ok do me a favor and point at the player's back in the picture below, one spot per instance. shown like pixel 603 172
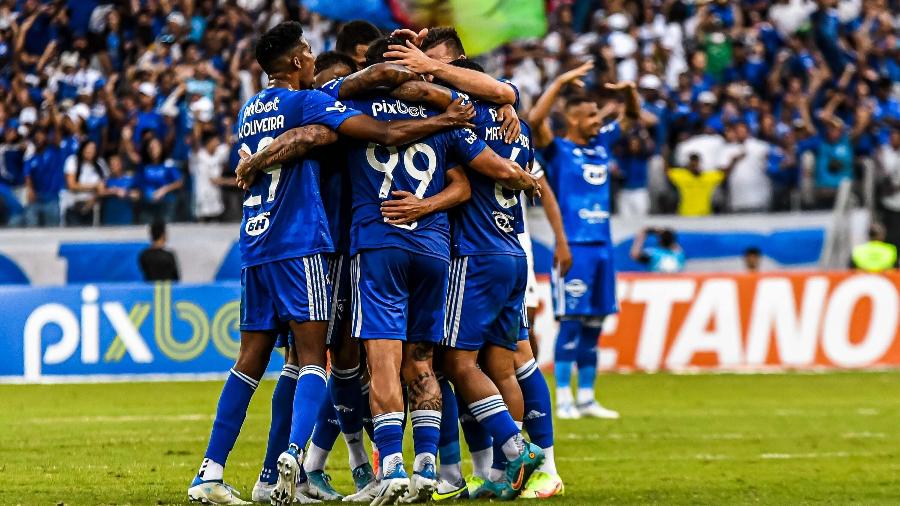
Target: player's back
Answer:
pixel 283 215
pixel 418 168
pixel 580 177
pixel 492 219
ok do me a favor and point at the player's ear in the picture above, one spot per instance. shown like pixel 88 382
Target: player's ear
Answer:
pixel 296 62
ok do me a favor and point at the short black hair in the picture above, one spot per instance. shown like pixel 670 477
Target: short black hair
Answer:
pixel 276 42
pixel 157 230
pixel 667 238
pixel 330 59
pixel 443 35
pixel 354 33
pixel 467 64
pixel 752 250
pixel 576 100
pixel 375 53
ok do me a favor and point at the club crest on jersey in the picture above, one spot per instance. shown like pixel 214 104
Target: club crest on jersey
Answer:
pixel 593 215
pixel 594 174
pixel 503 221
pixel 257 224
pixel 576 287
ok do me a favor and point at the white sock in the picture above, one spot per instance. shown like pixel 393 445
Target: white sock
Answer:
pixel 356 449
pixel 513 447
pixel 315 458
pixel 481 462
pixel 211 470
pixel 549 464
pixel 519 424
pixel 585 395
pixel 563 396
pixel 497 474
pixel 391 462
pixel 423 459
pixel 451 472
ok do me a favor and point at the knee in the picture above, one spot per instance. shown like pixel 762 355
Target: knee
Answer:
pixel 346 357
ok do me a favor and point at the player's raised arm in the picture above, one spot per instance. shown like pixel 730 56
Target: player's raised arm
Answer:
pixel 380 75
pixel 393 133
pixel 294 143
pixel 505 172
pixel 540 113
pixel 404 207
pixel 477 84
pixel 423 92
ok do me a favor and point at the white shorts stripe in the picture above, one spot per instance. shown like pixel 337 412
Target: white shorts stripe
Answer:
pixel 307 273
pixel 356 296
pixel 452 289
pixel 454 331
pixel 334 269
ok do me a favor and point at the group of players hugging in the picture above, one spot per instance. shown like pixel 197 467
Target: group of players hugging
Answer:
pixel 383 232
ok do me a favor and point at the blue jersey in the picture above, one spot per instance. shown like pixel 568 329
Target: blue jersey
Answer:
pixel 490 222
pixel 579 176
pixel 336 194
pixel 418 168
pixel 283 213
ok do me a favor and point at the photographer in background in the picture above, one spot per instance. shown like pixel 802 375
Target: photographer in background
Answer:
pixel 666 256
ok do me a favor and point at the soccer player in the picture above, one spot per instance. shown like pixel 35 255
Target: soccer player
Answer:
pixel 577 165
pixel 441 54
pixel 353 39
pixel 282 239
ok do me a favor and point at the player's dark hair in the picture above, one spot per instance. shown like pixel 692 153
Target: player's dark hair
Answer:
pixel 157 230
pixel 752 251
pixel 667 238
pixel 354 33
pixel 375 53
pixel 467 64
pixel 330 59
pixel 277 41
pixel 576 100
pixel 443 35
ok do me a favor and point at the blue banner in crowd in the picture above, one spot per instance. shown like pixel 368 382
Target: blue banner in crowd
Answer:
pixel 121 329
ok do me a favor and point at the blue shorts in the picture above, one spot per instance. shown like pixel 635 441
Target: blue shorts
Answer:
pixel 589 288
pixel 275 293
pixel 398 294
pixel 339 278
pixel 486 301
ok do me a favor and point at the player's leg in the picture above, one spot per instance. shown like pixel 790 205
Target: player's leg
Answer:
pixel 380 296
pixel 253 358
pixel 303 296
pixel 478 441
pixel 427 309
pixel 325 433
pixel 571 300
pixel 280 428
pixel 603 300
pixel 538 422
pixel 451 483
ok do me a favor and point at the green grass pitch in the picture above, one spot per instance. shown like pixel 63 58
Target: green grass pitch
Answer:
pixel 693 439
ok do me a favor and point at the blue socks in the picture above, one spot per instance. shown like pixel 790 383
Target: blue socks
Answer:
pixel 327 428
pixel 538 416
pixel 565 354
pixel 346 395
pixel 491 412
pixel 448 443
pixel 309 396
pixel 230 414
pixel 280 430
pixel 426 431
pixel 587 363
pixel 389 439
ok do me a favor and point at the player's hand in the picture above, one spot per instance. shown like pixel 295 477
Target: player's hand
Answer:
pixel 460 113
pixel 243 174
pixel 403 208
pixel 562 257
pixel 535 191
pixel 511 127
pixel 406 33
pixel 620 86
pixel 411 57
pixel 575 75
pixel 158 195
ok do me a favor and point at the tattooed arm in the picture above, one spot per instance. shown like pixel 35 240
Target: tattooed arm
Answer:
pixel 292 144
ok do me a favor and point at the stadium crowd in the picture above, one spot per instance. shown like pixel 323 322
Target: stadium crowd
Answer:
pixel 123 111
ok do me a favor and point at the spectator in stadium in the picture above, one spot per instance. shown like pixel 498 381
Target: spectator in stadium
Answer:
pixel 43 180
pixel 157 263
pixel 752 259
pixel 158 181
pixel 84 172
pixel 889 169
pixel 12 166
pixel 206 165
pixel 632 160
pixel 749 188
pixel 874 255
pixel 118 194
pixel 783 168
pixel 696 187
pixel 666 256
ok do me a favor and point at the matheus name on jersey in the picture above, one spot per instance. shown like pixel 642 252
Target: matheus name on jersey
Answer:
pixel 417 167
pixel 490 222
pixel 579 175
pixel 283 214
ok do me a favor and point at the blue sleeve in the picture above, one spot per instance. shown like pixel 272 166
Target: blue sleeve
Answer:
pixel 549 152
pixel 466 145
pixel 317 107
pixel 333 87
pixel 609 134
pixel 174 173
pixel 515 90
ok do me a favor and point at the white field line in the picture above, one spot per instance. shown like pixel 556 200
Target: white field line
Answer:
pixel 728 436
pixel 708 457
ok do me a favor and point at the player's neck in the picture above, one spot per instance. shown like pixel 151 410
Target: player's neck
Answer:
pixel 279 81
pixel 577 138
